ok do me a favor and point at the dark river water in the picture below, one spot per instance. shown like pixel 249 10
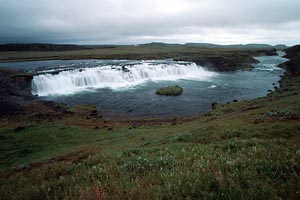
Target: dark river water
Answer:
pixel 124 88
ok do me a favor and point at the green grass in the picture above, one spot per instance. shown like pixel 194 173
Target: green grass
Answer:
pixel 245 162
pixel 242 150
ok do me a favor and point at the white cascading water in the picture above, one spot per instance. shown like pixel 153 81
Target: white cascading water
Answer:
pixel 114 77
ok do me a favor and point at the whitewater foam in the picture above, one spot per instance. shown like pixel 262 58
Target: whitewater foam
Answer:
pixel 116 77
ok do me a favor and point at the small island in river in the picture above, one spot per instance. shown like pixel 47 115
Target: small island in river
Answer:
pixel 170 90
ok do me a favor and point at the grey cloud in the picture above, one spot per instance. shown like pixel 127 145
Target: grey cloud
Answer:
pixel 136 21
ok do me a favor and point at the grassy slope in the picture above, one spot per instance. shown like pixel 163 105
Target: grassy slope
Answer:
pixel 243 150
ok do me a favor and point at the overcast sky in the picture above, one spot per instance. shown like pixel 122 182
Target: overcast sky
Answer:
pixel 141 21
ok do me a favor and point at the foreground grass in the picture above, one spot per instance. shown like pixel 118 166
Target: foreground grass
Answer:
pixel 243 150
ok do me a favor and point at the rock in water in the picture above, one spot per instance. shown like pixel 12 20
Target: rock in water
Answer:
pixel 214 105
pixel 170 91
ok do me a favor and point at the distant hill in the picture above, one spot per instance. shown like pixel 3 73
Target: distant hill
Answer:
pixel 280 46
pixel 238 46
pixel 158 44
pixel 70 47
pixel 40 47
pixel 231 46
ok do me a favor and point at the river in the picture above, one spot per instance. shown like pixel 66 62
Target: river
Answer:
pixel 126 88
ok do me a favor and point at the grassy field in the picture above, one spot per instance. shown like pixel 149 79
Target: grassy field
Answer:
pixel 217 59
pixel 121 52
pixel 241 150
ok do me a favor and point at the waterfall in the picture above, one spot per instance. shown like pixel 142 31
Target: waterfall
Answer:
pixel 115 76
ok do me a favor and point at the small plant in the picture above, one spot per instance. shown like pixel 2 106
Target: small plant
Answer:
pixel 145 165
pixel 279 113
pixel 170 90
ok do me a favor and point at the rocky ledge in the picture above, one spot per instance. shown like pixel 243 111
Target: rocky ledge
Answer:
pixel 17 101
pixel 15 89
pixel 14 83
pixel 293 65
pixel 239 60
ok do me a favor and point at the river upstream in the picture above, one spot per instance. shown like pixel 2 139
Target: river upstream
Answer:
pixel 126 88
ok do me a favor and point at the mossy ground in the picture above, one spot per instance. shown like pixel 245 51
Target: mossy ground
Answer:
pixel 242 150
